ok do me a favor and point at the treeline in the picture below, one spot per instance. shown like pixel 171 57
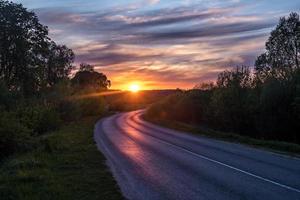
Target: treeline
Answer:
pixel 263 102
pixel 36 93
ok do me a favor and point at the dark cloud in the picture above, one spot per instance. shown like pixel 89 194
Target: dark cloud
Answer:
pixel 204 41
pixel 211 31
pixel 150 27
pixel 111 58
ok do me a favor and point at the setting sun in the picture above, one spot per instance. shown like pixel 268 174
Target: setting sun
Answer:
pixel 134 88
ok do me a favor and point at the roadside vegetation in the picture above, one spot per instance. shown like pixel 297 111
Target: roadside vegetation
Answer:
pixel 65 165
pixel 47 117
pixel 271 145
pixel 261 103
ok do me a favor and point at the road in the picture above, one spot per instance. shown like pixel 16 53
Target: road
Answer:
pixel 151 162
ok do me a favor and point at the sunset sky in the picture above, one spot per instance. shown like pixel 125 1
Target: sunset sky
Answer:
pixel 162 44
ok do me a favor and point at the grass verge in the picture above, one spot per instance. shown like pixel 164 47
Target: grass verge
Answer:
pixel 275 146
pixel 67 165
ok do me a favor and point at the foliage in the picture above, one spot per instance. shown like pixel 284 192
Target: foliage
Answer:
pixel 263 104
pixel 282 54
pixel 286 147
pixel 69 110
pixel 31 118
pixel 7 98
pixel 232 101
pixel 59 64
pixel 86 67
pixel 88 78
pixel 14 136
pixel 39 118
pixel 270 112
pixel 29 60
pixel 66 165
pixel 92 106
pixel 37 97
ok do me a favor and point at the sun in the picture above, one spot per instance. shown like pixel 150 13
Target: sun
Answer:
pixel 134 88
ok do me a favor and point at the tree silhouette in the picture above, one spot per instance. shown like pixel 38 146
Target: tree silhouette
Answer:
pixel 86 67
pixel 88 78
pixel 59 63
pixel 282 54
pixel 265 104
pixel 29 59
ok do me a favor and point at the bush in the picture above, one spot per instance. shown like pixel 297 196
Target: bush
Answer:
pixel 14 136
pixel 190 106
pixel 170 108
pixel 49 120
pixel 8 98
pixel 39 118
pixel 92 106
pixel 69 110
pixel 269 110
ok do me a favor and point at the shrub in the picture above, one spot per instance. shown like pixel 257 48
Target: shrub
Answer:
pixel 14 136
pixel 39 118
pixel 91 106
pixel 69 110
pixel 190 106
pixel 49 120
pixel 8 98
pixel 269 110
pixel 166 108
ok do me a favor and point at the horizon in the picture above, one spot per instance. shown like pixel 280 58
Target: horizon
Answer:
pixel 160 43
pixel 205 102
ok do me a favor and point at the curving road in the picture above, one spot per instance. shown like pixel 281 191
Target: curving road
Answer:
pixel 151 162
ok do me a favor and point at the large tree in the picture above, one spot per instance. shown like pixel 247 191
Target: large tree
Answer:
pixel 278 80
pixel 59 63
pixel 88 78
pixel 29 59
pixel 282 54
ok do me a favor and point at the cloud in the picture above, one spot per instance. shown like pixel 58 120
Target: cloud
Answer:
pixel 163 46
pixel 152 2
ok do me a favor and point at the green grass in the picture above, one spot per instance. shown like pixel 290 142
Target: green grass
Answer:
pixel 67 165
pixel 275 146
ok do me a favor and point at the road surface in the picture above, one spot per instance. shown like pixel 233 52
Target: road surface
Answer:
pixel 151 162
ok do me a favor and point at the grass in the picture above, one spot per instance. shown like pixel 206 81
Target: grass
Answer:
pixel 67 165
pixel 275 146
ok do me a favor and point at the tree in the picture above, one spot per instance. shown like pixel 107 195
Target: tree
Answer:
pixel 88 78
pixel 59 63
pixel 240 77
pixel 282 54
pixel 232 101
pixel 265 104
pixel 29 59
pixel 204 86
pixel 277 79
pixel 86 67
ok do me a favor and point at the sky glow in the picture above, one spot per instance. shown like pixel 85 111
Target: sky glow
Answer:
pixel 162 43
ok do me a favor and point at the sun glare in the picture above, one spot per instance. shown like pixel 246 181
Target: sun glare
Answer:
pixel 134 88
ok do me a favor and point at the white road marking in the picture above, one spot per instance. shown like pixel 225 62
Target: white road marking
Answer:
pixel 223 164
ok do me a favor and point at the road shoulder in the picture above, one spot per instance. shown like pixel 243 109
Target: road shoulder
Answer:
pixel 282 148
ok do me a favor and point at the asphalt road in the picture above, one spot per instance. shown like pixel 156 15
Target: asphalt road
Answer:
pixel 151 162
